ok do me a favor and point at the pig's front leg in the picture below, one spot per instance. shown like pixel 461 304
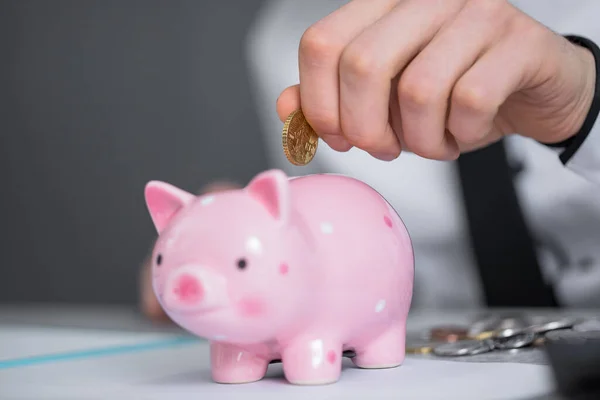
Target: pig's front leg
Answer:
pixel 232 364
pixel 312 361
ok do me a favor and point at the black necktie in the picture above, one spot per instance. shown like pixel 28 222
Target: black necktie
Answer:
pixel 502 244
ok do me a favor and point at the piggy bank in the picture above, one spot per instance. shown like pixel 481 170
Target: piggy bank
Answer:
pixel 294 269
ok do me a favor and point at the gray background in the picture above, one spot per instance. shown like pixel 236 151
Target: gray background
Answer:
pixel 97 98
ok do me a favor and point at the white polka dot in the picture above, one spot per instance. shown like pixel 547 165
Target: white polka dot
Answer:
pixel 380 306
pixel 253 244
pixel 326 228
pixel 207 200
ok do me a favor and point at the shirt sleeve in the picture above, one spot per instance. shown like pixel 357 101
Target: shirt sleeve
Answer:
pixel 581 154
pixel 585 160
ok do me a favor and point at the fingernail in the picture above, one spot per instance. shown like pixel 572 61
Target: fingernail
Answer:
pixel 337 142
pixel 384 156
pixel 452 152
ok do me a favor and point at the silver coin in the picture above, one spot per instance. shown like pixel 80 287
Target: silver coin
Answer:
pixel 515 342
pixel 538 319
pixel 551 325
pixel 497 321
pixel 464 348
pixel 508 332
pixel 587 326
pixel 484 324
pixel 510 327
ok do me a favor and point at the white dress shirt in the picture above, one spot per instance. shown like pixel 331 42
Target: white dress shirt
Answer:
pixel 561 203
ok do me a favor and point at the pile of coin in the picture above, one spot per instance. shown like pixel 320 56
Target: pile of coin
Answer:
pixel 495 333
pixel 299 139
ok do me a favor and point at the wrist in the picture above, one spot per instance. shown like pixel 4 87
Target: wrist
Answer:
pixel 585 109
pixel 584 101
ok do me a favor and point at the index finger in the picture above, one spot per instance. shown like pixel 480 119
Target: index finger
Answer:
pixel 289 101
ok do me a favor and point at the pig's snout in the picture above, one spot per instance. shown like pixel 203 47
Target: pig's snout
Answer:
pixel 193 288
pixel 188 289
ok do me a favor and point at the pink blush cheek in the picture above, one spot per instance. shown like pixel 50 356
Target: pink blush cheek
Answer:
pixel 331 357
pixel 387 221
pixel 252 307
pixel 284 269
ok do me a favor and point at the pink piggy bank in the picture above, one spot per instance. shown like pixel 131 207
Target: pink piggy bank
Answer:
pixel 293 269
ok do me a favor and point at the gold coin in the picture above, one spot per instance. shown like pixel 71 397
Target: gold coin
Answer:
pixel 424 349
pixel 484 335
pixel 299 139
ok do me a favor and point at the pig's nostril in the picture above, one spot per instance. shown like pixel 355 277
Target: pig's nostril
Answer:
pixel 188 289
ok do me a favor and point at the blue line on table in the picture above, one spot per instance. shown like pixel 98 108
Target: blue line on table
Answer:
pixel 93 353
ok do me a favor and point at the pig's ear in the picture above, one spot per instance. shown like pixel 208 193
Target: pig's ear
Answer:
pixel 163 201
pixel 272 189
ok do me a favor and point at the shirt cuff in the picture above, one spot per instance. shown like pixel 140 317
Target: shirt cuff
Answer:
pixel 581 152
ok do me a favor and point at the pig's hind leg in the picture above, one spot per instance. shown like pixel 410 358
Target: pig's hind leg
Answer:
pixel 231 364
pixel 385 351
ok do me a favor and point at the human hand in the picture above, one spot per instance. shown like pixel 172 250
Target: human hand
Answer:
pixel 437 77
pixel 148 302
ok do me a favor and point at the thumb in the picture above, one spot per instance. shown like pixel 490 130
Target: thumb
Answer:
pixel 288 101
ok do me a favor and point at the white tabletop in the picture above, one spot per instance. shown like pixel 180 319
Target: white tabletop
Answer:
pixel 84 352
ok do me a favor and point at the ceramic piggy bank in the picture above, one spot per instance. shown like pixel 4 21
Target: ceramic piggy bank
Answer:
pixel 293 269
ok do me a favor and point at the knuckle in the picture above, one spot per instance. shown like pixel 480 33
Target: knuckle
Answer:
pixel 471 98
pixel 317 44
pixel 417 90
pixel 358 62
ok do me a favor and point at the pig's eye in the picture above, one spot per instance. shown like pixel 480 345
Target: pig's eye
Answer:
pixel 159 259
pixel 242 263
